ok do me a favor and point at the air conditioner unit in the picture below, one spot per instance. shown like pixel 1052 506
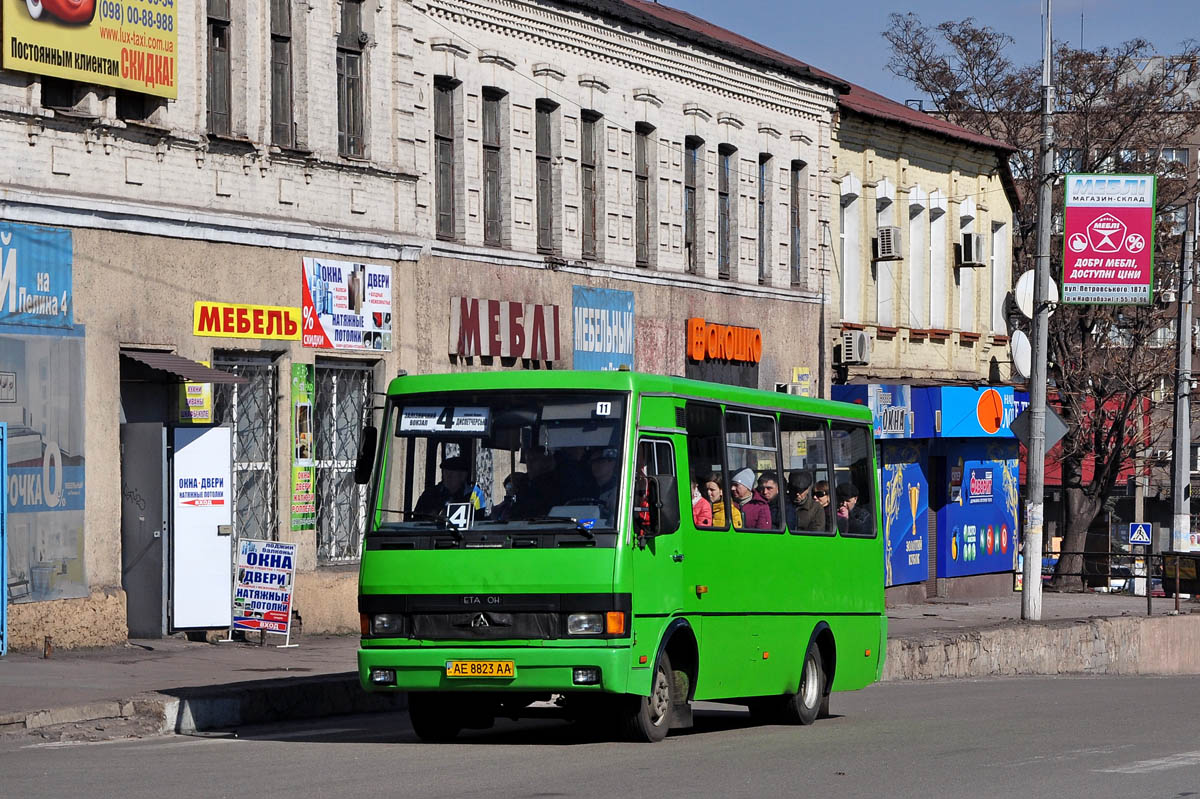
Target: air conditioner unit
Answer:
pixel 1162 454
pixel 969 254
pixel 887 244
pixel 1167 296
pixel 856 347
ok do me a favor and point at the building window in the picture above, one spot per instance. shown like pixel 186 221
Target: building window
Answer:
pixel 1070 159
pixel 587 174
pixel 939 277
pixel 641 172
pixel 219 77
pixel 917 259
pixel 350 43
pixel 691 209
pixel 493 198
pixel 250 410
pixel 443 143
pixel 132 105
pixel 764 219
pixel 283 129
pixel 1001 272
pixel 545 176
pixel 850 249
pixel 798 214
pixel 725 176
pixel 885 278
pixel 342 409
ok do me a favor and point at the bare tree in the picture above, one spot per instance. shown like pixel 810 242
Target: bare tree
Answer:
pixel 1111 367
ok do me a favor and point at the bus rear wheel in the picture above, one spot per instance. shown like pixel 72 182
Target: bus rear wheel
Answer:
pixel 805 705
pixel 647 719
pixel 434 719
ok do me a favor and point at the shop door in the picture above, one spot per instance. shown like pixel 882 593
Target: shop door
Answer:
pixel 143 527
pixel 201 544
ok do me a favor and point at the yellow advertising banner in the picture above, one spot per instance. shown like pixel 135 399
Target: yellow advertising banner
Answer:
pixel 246 321
pixel 196 402
pixel 126 44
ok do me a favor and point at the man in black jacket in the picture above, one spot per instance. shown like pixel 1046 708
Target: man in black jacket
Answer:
pixel 803 512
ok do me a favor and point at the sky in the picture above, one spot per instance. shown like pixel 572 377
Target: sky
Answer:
pixel 845 38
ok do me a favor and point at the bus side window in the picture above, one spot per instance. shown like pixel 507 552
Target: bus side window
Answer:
pixel 706 464
pixel 854 490
pixel 806 486
pixel 752 452
pixel 655 458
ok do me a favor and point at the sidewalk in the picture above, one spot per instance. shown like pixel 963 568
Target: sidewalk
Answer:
pixel 175 685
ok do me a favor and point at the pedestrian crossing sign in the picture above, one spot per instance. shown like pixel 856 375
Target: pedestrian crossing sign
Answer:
pixel 1139 533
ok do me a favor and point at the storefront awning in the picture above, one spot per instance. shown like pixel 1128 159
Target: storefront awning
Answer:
pixel 170 368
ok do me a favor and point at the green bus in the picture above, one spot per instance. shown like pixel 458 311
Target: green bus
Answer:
pixel 621 543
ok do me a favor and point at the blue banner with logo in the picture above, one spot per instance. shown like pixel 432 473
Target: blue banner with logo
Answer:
pixel 35 276
pixel 603 329
pixel 905 502
pixel 978 524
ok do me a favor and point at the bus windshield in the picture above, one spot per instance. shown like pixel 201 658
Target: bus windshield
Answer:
pixel 502 460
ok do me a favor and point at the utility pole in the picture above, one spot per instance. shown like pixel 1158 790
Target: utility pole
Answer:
pixel 1181 484
pixel 1031 596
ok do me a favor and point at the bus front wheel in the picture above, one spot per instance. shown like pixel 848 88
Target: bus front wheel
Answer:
pixel 646 719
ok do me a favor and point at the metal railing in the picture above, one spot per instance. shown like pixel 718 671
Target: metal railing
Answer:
pixel 1173 573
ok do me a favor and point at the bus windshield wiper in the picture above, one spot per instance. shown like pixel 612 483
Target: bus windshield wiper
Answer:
pixel 580 527
pixel 439 519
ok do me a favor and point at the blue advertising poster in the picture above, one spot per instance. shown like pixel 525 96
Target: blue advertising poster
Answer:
pixel 905 495
pixel 603 320
pixel 978 524
pixel 35 276
pixel 979 412
pixel 890 404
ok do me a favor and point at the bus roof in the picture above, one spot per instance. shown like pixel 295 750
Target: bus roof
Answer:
pixel 638 382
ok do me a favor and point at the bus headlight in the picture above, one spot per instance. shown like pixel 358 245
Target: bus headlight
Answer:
pixel 387 624
pixel 585 623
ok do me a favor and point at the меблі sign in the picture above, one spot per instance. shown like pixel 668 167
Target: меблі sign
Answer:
pixel 1108 239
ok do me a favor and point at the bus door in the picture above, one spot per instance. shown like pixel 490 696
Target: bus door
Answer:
pixel 657 555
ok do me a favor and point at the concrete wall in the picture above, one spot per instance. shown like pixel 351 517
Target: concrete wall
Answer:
pixel 1122 645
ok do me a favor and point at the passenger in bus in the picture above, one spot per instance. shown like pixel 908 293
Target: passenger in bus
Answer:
pixel 702 511
pixel 516 486
pixel 768 486
pixel 821 495
pixel 754 508
pixel 851 518
pixel 803 512
pixel 603 462
pixel 542 491
pixel 452 488
pixel 716 497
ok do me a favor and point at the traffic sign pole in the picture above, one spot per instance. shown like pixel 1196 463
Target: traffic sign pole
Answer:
pixel 1031 597
pixel 1181 484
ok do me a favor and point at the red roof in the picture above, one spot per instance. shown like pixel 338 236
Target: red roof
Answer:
pixel 868 103
pixel 688 27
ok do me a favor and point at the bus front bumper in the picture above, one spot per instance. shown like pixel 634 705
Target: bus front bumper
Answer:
pixel 536 668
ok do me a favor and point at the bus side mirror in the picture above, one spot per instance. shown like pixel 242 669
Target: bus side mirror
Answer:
pixel 664 505
pixel 366 455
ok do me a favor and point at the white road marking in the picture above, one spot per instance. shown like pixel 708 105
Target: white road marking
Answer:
pixel 1158 764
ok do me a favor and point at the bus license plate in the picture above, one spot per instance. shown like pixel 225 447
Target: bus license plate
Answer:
pixel 481 668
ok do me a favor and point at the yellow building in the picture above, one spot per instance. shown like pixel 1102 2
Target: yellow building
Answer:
pixel 922 247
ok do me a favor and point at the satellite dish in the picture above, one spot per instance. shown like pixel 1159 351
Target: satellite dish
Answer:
pixel 1024 293
pixel 1022 352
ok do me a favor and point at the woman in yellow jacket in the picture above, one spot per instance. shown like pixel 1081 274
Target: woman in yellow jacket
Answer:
pixel 714 492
